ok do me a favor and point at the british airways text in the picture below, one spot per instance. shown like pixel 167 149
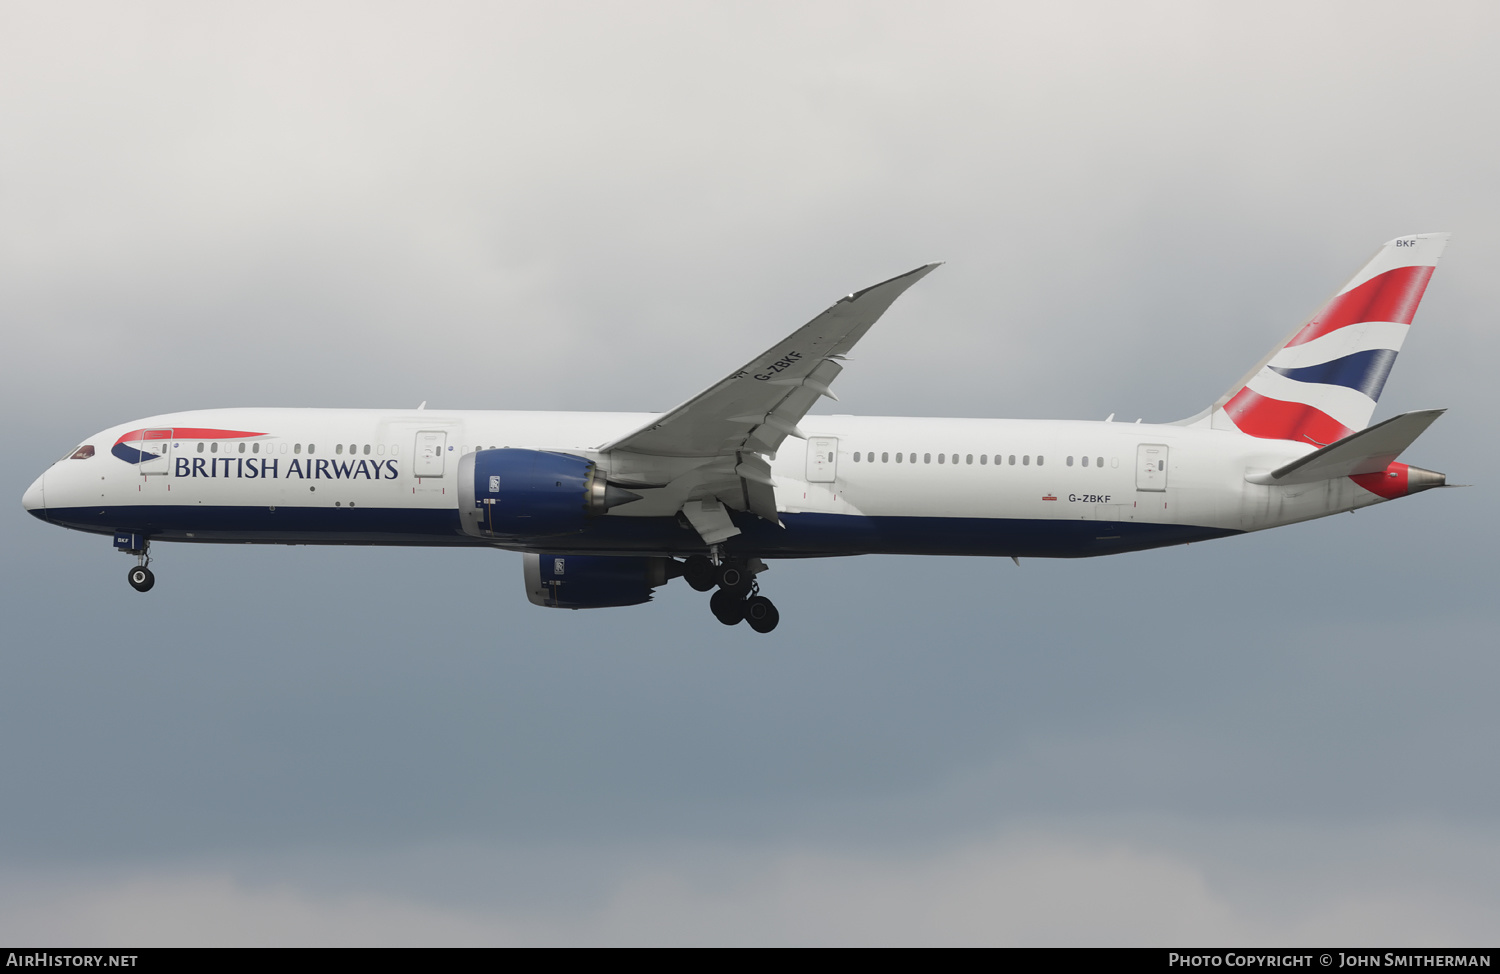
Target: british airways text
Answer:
pixel 254 468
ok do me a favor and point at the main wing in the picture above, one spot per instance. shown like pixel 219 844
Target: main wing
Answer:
pixel 758 406
pixel 731 427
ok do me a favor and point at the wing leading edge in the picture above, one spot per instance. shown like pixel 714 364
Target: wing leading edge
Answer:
pixel 760 405
pixel 732 426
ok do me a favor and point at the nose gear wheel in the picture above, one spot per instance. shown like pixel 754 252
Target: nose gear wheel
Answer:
pixel 141 579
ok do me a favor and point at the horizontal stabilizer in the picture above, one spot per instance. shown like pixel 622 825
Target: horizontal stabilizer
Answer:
pixel 1368 451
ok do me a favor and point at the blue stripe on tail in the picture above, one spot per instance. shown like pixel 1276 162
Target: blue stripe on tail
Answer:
pixel 1364 371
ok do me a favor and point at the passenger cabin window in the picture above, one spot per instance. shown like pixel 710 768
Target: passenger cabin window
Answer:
pixel 1099 461
pixel 927 458
pixel 984 458
pixel 1085 461
pixel 339 448
pixel 1039 459
pixel 1070 461
pixel 886 458
pixel 311 448
pixel 942 457
pixel 856 456
pixel 968 457
pixel 1026 460
pixel 1012 459
pixel 254 447
pixel 297 448
pixel 82 453
pixel 367 449
pixel 242 447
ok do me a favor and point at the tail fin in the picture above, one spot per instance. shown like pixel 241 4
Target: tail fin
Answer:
pixel 1322 383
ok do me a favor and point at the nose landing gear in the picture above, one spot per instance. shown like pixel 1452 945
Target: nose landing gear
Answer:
pixel 140 576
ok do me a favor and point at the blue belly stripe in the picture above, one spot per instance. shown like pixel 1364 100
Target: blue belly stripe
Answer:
pixel 806 535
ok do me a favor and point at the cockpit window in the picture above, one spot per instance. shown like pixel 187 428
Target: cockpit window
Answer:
pixel 82 453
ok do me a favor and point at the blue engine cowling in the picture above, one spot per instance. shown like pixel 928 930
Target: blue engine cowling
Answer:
pixel 594 581
pixel 520 494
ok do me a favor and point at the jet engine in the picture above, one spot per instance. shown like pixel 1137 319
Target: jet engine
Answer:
pixel 518 494
pixel 595 581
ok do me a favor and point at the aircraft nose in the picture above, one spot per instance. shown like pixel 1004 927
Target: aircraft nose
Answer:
pixel 35 498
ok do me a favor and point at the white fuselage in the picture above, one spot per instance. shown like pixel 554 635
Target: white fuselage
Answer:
pixel 858 484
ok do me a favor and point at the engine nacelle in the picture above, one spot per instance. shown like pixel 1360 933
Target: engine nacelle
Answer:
pixel 518 494
pixel 594 581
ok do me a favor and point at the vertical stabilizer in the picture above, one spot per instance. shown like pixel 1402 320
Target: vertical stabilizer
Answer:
pixel 1322 383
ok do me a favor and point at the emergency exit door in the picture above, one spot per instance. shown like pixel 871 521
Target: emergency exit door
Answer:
pixel 431 446
pixel 822 459
pixel 1151 467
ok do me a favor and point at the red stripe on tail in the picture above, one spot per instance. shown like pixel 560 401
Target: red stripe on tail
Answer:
pixel 1273 419
pixel 1392 296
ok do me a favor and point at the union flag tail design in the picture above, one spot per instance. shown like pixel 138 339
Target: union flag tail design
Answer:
pixel 1323 382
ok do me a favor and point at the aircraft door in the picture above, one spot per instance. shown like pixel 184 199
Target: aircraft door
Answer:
pixel 1151 467
pixel 156 451
pixel 822 459
pixel 429 454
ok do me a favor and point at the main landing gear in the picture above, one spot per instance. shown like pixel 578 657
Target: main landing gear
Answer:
pixel 738 598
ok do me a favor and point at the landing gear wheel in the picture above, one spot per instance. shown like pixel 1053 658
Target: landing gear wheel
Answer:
pixel 141 578
pixel 761 614
pixel 734 578
pixel 698 572
pixel 727 607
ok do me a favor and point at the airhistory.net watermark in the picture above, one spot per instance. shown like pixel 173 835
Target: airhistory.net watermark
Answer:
pixel 48 959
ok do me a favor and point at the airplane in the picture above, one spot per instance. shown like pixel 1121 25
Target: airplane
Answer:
pixel 607 507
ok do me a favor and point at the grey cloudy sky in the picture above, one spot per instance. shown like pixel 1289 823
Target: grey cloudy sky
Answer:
pixel 1283 738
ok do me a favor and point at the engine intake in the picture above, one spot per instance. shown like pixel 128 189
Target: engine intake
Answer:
pixel 517 494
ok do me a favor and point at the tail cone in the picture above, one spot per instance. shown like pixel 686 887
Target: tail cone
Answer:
pixel 1418 479
pixel 1399 480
